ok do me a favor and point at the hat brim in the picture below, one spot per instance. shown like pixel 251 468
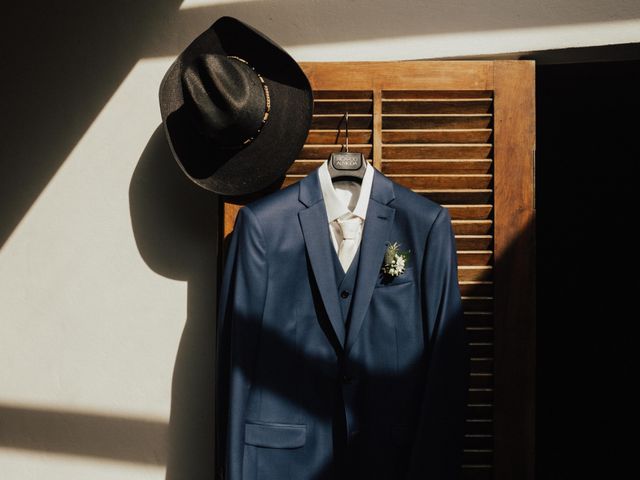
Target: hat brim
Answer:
pixel 269 155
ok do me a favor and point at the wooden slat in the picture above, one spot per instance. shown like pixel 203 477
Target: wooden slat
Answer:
pixel 441 93
pixel 353 106
pixel 336 121
pixel 437 105
pixel 339 136
pixel 472 227
pixel 480 334
pixel 475 257
pixel 479 426
pixel 478 319
pixel 431 121
pixel 470 212
pixel 459 196
pixel 479 410
pixel 341 94
pixel 472 135
pixel 290 179
pixel 478 456
pixel 446 165
pixel 475 272
pixel 474 242
pixel 480 288
pixel 481 365
pixel 442 180
pixel 481 349
pixel 475 442
pixel 436 150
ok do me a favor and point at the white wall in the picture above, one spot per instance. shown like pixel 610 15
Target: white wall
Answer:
pixel 108 253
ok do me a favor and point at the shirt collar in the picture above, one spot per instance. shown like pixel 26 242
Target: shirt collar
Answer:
pixel 333 203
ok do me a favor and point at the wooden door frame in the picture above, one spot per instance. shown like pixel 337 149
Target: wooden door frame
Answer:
pixel 513 85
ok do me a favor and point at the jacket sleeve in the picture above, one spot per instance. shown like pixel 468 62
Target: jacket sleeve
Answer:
pixel 436 452
pixel 241 300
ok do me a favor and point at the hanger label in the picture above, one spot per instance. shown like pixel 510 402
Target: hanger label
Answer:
pixel 346 160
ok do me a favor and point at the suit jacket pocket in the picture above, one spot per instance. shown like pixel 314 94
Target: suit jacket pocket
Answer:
pixel 385 281
pixel 275 435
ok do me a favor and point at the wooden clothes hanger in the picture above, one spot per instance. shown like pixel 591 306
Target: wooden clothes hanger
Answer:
pixel 347 165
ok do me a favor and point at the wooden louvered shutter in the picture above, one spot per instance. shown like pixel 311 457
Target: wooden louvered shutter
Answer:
pixel 463 134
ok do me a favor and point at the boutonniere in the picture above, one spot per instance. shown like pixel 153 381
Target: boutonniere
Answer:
pixel 395 260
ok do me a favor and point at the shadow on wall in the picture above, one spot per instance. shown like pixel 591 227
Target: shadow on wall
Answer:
pixel 65 62
pixel 175 226
pixel 88 435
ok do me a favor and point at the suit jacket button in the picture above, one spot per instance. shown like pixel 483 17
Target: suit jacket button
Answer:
pixel 347 378
pixel 344 293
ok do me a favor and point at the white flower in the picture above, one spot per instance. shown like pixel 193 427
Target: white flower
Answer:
pixel 394 260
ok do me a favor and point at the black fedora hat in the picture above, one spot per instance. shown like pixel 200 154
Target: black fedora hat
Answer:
pixel 236 109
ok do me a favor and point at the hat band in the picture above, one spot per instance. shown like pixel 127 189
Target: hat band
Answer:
pixel 267 108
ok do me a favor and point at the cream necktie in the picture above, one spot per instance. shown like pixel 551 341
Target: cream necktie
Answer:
pixel 348 246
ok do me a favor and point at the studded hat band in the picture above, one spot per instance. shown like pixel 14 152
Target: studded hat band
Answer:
pixel 267 108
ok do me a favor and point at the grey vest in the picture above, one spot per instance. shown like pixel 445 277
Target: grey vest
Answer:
pixel 345 281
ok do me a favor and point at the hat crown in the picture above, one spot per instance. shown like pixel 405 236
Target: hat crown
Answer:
pixel 231 128
pixel 225 97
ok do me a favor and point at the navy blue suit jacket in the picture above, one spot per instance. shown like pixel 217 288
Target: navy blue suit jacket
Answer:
pixel 287 366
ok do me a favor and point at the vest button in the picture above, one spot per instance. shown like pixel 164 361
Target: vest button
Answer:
pixel 344 293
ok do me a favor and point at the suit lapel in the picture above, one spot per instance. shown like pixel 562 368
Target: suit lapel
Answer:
pixel 315 229
pixel 377 227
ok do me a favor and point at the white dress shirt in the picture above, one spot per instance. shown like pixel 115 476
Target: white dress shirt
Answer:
pixel 345 199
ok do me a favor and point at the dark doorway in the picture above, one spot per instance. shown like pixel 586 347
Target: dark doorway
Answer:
pixel 588 154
